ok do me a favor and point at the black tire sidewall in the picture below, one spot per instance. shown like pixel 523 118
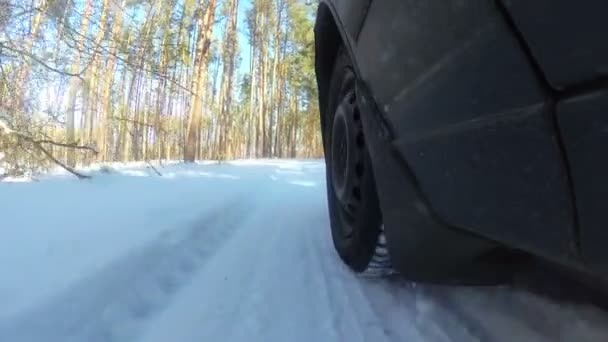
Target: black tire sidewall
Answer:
pixel 357 249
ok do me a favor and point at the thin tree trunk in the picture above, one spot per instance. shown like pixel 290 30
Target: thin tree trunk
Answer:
pixel 123 124
pixel 205 22
pixel 274 104
pixel 214 119
pixel 252 136
pixel 23 75
pixel 92 100
pixel 75 83
pixel 103 129
pixel 229 54
pixel 294 141
pixel 262 87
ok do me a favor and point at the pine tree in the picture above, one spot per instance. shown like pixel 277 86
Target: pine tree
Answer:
pixel 137 80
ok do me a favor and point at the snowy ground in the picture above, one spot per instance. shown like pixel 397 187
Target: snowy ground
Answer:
pixel 231 252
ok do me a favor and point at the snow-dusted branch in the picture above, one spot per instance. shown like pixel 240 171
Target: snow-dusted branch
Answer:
pixel 58 162
pixel 67 145
pixel 39 144
pixel 4 128
pixel 153 168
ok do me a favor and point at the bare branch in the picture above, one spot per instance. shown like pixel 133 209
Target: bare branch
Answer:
pixel 56 161
pixel 38 144
pixel 98 49
pixel 153 168
pixel 4 127
pixel 139 123
pixel 44 64
pixel 73 145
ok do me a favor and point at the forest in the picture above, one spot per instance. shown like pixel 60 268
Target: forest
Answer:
pixel 96 81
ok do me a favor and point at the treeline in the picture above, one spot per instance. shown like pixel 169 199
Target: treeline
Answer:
pixel 86 81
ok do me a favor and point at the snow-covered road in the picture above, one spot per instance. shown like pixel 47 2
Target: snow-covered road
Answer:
pixel 233 252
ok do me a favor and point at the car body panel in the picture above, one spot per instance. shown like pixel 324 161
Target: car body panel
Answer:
pixel 484 153
pixel 352 14
pixel 470 122
pixel 584 126
pixel 566 38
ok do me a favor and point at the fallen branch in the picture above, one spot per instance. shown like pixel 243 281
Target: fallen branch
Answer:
pixel 153 168
pixel 6 129
pixel 56 161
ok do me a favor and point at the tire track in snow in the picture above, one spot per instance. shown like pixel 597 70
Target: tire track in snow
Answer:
pixel 339 309
pixel 111 304
pixel 506 314
pixel 406 311
pixel 493 314
pixel 376 313
pixel 267 285
pixel 289 295
pixel 274 285
pixel 378 309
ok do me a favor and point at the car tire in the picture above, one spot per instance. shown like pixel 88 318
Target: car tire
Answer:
pixel 354 209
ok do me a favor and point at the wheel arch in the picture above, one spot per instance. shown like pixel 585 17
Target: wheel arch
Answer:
pixel 337 23
pixel 328 40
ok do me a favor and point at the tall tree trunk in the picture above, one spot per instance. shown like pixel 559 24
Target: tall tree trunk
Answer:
pixel 137 127
pixel 294 141
pixel 280 120
pixel 262 105
pixel 179 77
pixel 103 129
pixel 230 51
pixel 205 20
pixel 23 75
pixel 123 126
pixel 162 91
pixel 251 134
pixel 92 108
pixel 215 102
pixel 75 83
pixel 135 93
pixel 274 104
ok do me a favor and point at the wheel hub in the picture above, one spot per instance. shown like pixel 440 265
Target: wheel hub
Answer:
pixel 347 151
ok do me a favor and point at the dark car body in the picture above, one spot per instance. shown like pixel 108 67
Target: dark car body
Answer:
pixel 489 117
